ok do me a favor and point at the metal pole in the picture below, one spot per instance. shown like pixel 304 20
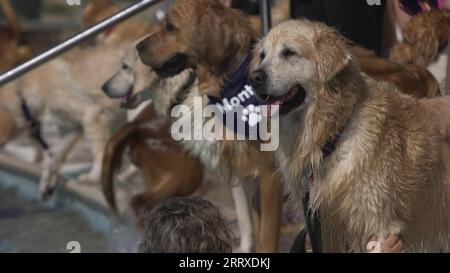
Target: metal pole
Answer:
pixel 75 40
pixel 266 16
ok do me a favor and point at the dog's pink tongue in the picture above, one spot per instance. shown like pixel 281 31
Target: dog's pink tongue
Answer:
pixel 270 110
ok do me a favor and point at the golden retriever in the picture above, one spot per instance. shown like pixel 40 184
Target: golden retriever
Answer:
pixel 205 34
pixel 165 93
pixel 72 93
pixel 389 172
pixel 215 43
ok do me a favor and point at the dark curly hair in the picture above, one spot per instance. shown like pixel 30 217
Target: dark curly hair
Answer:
pixel 186 225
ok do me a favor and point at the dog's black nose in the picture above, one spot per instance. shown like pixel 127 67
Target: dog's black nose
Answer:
pixel 141 47
pixel 258 78
pixel 105 88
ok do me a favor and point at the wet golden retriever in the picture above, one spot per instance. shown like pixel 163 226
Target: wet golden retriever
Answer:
pixel 206 35
pixel 390 170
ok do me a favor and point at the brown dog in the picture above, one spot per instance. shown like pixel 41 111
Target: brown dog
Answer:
pixel 388 171
pixel 167 169
pixel 426 37
pixel 13 51
pixel 409 78
pixel 205 34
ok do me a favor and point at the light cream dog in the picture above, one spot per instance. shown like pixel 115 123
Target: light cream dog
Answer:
pixel 68 88
pixel 390 170
pixel 166 93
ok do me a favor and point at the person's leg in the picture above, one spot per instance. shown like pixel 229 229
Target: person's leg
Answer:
pixel 447 91
pixel 309 9
pixel 357 20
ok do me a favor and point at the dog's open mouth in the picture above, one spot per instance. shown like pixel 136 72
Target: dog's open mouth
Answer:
pixel 183 91
pixel 173 66
pixel 286 103
pixel 130 100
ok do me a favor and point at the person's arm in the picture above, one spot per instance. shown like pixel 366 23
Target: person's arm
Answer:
pixel 401 17
pixel 392 244
pixel 389 38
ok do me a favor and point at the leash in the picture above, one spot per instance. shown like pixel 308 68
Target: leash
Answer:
pixel 312 218
pixel 34 125
pixel 313 224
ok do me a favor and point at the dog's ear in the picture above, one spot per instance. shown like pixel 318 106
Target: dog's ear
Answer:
pixel 425 44
pixel 256 57
pixel 94 9
pixel 333 54
pixel 226 32
pixel 423 35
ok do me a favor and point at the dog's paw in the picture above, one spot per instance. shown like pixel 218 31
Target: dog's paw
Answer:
pixel 252 115
pixel 91 177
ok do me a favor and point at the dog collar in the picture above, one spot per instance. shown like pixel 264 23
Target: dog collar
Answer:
pixel 327 149
pixel 238 102
pixel 330 145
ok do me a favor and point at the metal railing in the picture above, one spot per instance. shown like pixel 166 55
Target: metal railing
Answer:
pixel 100 27
pixel 75 40
pixel 266 16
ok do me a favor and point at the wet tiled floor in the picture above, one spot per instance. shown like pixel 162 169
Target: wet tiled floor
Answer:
pixel 30 227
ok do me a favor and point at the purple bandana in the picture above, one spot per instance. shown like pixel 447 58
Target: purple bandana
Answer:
pixel 239 103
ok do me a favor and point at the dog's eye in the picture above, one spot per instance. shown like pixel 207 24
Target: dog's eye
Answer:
pixel 288 53
pixel 262 55
pixel 125 67
pixel 170 27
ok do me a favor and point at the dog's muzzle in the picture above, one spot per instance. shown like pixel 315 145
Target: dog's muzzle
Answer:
pixel 173 66
pixel 288 102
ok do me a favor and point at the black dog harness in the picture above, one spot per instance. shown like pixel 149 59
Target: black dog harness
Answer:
pixel 34 125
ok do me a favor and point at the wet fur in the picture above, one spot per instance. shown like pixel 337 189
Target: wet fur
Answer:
pixel 390 171
pixel 216 39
